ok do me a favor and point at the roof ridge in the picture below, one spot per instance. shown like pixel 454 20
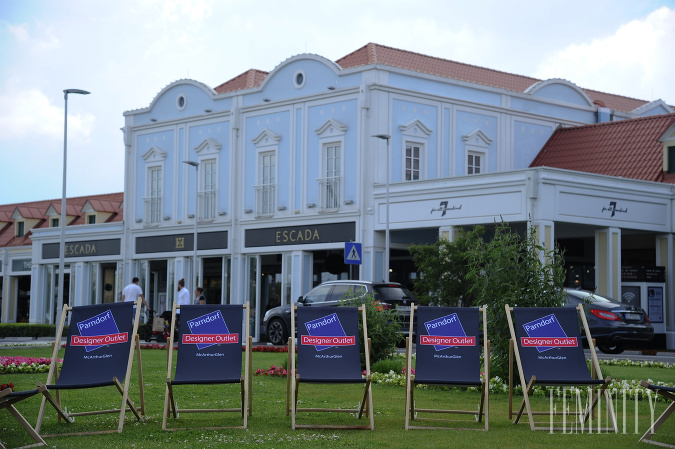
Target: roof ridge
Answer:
pixel 450 60
pixel 618 122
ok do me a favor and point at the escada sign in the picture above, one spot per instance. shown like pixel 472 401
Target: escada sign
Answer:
pixel 86 248
pixel 300 235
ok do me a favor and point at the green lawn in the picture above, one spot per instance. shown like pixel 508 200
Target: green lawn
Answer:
pixel 269 426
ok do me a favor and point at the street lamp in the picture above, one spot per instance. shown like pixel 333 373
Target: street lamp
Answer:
pixel 386 235
pixel 194 267
pixel 62 242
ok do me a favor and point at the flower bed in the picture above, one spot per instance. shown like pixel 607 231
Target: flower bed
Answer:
pixel 20 365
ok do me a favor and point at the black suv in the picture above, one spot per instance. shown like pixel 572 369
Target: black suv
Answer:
pixel 391 295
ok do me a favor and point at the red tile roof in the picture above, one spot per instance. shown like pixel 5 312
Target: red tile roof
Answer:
pixel 379 54
pixel 248 79
pixel 37 210
pixel 627 148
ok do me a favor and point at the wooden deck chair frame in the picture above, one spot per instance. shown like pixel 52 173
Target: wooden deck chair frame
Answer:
pixel 528 385
pixel 8 398
pixel 293 383
pixel 668 393
pixel 246 381
pixel 483 407
pixel 127 404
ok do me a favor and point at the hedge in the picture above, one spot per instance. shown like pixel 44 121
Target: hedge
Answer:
pixel 28 330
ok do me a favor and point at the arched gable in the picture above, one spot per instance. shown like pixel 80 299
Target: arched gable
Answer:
pixel 560 90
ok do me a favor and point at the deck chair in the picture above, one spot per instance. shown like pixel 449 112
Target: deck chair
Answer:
pixel 209 353
pixel 7 400
pixel 100 348
pixel 546 342
pixel 447 353
pixel 668 393
pixel 328 353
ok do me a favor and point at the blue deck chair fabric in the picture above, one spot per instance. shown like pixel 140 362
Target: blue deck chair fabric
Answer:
pixel 448 350
pixel 100 347
pixel 448 364
pixel 668 393
pixel 548 349
pixel 328 350
pixel 210 342
pixel 564 363
pixel 329 363
pixel 218 358
pixel 7 400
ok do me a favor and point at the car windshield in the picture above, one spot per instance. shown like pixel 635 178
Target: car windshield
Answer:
pixel 393 292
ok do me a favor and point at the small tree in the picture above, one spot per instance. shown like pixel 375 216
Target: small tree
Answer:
pixel 383 327
pixel 514 271
pixel 443 268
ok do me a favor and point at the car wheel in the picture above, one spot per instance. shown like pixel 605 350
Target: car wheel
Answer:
pixel 276 332
pixel 611 348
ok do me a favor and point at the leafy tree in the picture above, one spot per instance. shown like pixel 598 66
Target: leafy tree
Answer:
pixel 443 267
pixel 514 271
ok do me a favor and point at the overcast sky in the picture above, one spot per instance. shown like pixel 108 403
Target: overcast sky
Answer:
pixel 126 51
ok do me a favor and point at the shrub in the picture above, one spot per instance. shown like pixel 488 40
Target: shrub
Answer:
pixel 383 328
pixel 28 330
pixel 386 365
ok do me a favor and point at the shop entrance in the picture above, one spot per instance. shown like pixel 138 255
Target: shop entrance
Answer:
pixel 108 274
pixel 157 295
pixel 329 266
pixel 66 292
pixel 22 299
pixel 216 285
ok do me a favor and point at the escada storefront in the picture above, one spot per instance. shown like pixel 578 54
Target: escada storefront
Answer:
pixel 285 262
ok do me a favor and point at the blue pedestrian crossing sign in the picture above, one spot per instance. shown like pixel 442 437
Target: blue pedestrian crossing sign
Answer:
pixel 353 253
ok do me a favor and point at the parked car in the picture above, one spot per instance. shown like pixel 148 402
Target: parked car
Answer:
pixel 612 323
pixel 277 321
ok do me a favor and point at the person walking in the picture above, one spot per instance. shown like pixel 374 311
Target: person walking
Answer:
pixel 183 297
pixel 133 291
pixel 199 296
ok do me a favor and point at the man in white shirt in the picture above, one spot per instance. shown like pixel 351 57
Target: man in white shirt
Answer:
pixel 183 296
pixel 133 291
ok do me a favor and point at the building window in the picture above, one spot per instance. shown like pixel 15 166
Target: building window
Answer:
pixel 671 159
pixel 413 154
pixel 20 229
pixel 331 183
pixel 55 222
pixel 208 194
pixel 91 219
pixel 267 187
pixel 153 202
pixel 474 163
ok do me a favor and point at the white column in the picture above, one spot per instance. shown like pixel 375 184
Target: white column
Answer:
pixel 608 262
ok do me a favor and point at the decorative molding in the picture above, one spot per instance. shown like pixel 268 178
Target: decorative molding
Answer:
pixel 266 138
pixel 207 144
pixel 477 138
pixel 154 154
pixel 414 128
pixel 331 128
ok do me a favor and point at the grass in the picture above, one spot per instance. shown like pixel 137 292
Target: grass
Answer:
pixel 269 427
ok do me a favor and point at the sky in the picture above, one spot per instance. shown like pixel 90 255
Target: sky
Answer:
pixel 126 51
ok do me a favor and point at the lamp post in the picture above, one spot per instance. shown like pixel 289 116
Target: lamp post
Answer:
pixel 386 235
pixel 194 267
pixel 62 241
